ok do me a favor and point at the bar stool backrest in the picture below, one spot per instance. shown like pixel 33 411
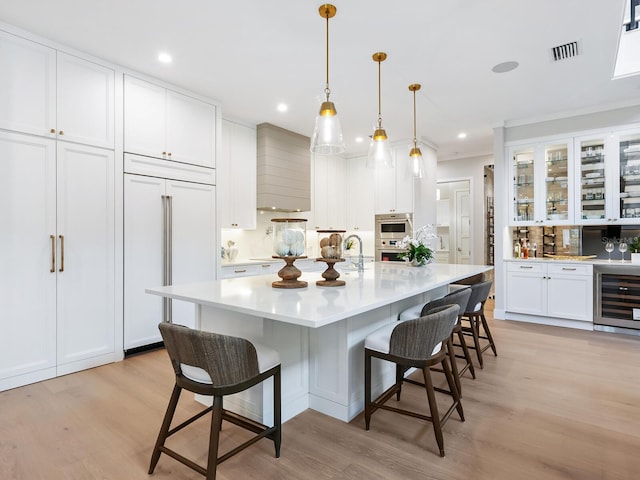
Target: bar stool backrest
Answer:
pixel 228 360
pixel 457 297
pixel 416 339
pixel 479 295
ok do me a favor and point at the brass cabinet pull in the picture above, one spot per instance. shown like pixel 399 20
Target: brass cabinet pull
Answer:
pixel 164 153
pixel 569 269
pixel 168 154
pixel 53 253
pixel 61 237
pixel 61 132
pixel 239 271
pixel 53 130
pixel 526 266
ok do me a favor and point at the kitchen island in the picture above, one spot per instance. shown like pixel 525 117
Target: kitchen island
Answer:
pixel 318 331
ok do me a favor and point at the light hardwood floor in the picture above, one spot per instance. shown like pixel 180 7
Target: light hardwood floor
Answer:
pixel 555 404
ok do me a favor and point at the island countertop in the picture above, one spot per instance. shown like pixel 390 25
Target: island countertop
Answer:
pixel 380 284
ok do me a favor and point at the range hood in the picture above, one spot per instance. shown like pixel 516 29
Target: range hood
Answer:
pixel 284 170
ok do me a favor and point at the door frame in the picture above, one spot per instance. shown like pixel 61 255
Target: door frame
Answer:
pixel 452 212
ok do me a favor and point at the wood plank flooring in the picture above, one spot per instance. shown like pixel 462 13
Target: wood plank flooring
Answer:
pixel 555 404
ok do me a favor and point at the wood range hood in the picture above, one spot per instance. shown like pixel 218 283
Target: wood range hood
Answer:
pixel 284 170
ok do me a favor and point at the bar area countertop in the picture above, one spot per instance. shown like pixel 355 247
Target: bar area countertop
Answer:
pixel 319 332
pixel 381 284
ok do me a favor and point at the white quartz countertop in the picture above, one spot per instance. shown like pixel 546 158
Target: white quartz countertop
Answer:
pixel 590 261
pixel 380 284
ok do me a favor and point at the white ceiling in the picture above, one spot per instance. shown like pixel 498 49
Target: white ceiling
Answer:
pixel 252 54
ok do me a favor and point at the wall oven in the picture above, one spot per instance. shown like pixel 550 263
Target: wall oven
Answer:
pixel 617 298
pixel 390 230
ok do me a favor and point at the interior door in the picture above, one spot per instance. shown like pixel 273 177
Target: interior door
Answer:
pixel 463 227
pixel 86 252
pixel 193 240
pixel 27 282
pixel 143 230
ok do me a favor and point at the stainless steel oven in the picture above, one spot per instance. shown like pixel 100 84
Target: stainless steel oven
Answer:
pixel 390 230
pixel 617 298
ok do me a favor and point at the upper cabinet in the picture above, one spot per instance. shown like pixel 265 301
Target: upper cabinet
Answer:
pixel 360 195
pixel 394 187
pixel 329 192
pixel 236 177
pixel 595 177
pixel 165 124
pixel 542 183
pixel 55 95
pixel 626 198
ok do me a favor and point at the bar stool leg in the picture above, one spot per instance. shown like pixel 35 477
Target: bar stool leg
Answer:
pixel 277 412
pixel 433 407
pixel 467 354
pixel 214 438
pixel 452 388
pixel 367 389
pixel 454 365
pixel 164 429
pixel 473 320
pixel 488 332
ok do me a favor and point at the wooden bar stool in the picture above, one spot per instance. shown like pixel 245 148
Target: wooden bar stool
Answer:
pixel 458 297
pixel 414 343
pixel 217 365
pixel 475 316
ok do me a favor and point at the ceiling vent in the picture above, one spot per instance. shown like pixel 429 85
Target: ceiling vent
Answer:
pixel 562 52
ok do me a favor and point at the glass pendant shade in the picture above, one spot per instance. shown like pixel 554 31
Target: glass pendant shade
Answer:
pixel 379 151
pixel 415 162
pixel 327 135
pixel 415 155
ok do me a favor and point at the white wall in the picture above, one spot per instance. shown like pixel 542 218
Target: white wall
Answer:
pixel 472 169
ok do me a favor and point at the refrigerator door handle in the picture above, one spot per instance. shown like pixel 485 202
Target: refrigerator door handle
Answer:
pixel 166 255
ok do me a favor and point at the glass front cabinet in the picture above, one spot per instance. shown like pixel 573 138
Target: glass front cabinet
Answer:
pixel 608 178
pixel 542 183
pixel 626 151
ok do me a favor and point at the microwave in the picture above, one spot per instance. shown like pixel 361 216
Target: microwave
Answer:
pixel 393 226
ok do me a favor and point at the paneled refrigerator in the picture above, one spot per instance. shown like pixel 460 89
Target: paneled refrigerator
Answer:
pixel 169 238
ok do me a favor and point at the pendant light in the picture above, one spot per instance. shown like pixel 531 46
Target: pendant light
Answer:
pixel 379 149
pixel 415 156
pixel 327 136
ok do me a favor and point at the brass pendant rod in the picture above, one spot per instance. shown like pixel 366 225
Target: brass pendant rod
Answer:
pixel 379 95
pixel 327 47
pixel 414 119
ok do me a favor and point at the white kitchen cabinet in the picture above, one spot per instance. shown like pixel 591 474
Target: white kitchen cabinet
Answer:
pixel 360 199
pixel 236 177
pixel 542 178
pixel 394 187
pixel 86 247
pixel 53 94
pixel 192 240
pixel 58 262
pixel 246 270
pixel 165 124
pixel 329 193
pixel 556 290
pixel 85 102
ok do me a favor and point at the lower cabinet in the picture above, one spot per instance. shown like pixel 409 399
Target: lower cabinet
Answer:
pixel 58 258
pixel 556 290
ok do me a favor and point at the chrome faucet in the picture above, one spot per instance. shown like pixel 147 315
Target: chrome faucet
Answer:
pixel 360 258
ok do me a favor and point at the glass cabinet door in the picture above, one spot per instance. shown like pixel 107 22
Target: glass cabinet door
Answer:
pixel 523 185
pixel 629 199
pixel 592 184
pixel 556 183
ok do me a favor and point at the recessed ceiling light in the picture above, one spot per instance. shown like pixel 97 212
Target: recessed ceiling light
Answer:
pixel 282 107
pixel 359 139
pixel 164 57
pixel 462 135
pixel 505 67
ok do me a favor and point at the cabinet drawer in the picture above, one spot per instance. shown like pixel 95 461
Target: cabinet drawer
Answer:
pixel 156 167
pixel 239 271
pixel 570 269
pixel 530 267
